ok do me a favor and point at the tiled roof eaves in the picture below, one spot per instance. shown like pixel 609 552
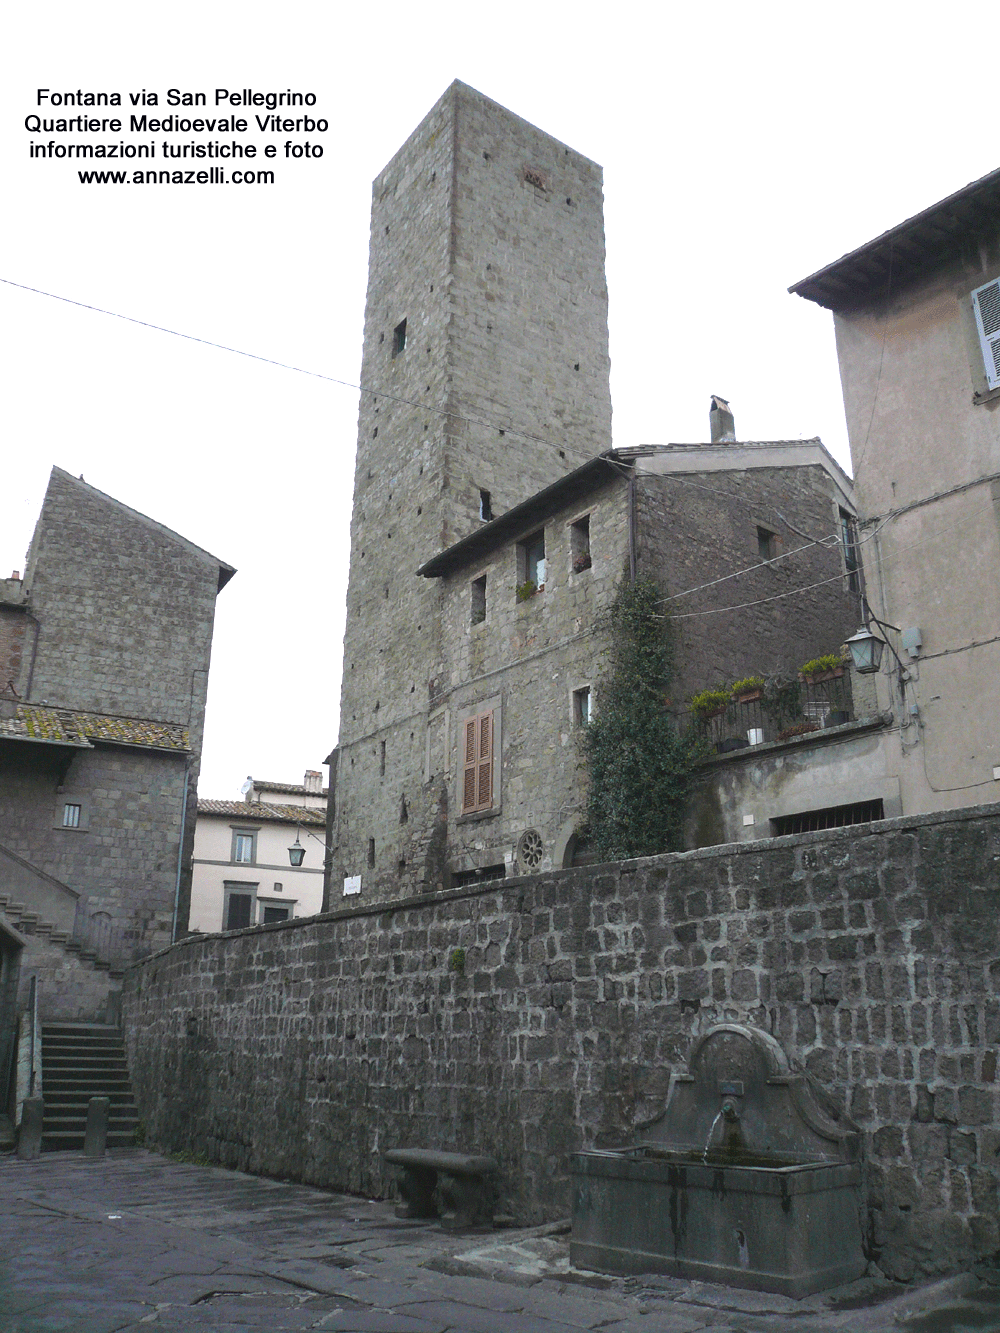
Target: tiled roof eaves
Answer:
pixel 24 737
pixel 287 788
pixel 912 247
pixel 262 812
pixel 522 518
pixel 68 726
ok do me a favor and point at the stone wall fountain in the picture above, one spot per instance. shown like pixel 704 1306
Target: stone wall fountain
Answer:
pixel 750 1177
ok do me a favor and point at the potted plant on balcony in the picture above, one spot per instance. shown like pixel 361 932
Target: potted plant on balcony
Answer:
pixel 709 703
pixel 828 667
pixel 748 690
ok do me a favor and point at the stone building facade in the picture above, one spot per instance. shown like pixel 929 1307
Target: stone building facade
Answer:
pixel 917 318
pixel 520 657
pixel 107 640
pixel 487 303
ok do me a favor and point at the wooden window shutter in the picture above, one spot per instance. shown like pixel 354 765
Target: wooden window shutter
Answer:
pixel 484 766
pixel 986 304
pixel 469 766
pixel 477 767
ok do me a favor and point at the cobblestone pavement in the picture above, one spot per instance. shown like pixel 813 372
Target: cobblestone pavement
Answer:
pixel 136 1241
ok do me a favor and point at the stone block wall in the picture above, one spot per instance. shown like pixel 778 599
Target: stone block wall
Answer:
pixel 125 609
pixel 122 859
pixel 682 518
pixel 305 1050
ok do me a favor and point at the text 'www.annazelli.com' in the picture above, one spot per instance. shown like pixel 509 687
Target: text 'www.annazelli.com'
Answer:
pixel 214 176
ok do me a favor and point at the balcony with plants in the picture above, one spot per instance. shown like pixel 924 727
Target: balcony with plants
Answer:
pixel 764 708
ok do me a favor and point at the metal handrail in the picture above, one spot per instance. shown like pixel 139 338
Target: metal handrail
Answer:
pixel 34 1044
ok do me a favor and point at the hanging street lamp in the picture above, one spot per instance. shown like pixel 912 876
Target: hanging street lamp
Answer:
pixel 866 651
pixel 296 852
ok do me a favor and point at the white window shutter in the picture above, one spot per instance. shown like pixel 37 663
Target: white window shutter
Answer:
pixel 986 304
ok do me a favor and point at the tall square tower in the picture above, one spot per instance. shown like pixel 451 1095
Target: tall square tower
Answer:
pixel 485 377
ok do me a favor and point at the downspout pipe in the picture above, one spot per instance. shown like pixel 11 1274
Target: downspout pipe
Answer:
pixel 34 652
pixel 180 851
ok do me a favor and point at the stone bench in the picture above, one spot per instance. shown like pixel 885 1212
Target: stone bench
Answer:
pixel 467 1188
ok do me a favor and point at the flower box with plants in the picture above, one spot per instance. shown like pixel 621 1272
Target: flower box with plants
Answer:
pixel 828 667
pixel 581 562
pixel 748 690
pixel 709 703
pixel 525 591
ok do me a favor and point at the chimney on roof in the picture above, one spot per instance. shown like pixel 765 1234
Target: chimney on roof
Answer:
pixel 16 575
pixel 313 782
pixel 721 422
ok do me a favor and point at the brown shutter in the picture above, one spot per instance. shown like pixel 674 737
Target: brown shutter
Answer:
pixel 477 768
pixel 485 765
pixel 469 767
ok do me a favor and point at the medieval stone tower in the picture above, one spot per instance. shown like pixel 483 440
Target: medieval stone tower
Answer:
pixel 485 377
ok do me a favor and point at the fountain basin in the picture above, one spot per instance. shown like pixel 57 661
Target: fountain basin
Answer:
pixel 749 1177
pixel 791 1228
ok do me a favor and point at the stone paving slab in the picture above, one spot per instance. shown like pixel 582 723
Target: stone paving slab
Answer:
pixel 136 1242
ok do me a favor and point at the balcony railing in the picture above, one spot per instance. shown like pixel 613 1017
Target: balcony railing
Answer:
pixel 790 709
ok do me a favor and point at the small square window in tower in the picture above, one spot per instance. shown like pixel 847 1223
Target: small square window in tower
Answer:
pixel 478 609
pixel 477 765
pixel 399 339
pixel 531 562
pixel 579 544
pixel 767 543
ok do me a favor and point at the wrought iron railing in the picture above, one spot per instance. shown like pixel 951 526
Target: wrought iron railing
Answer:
pixel 778 712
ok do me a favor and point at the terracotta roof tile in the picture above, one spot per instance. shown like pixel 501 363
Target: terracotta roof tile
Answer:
pixel 70 727
pixel 284 814
pixel 288 788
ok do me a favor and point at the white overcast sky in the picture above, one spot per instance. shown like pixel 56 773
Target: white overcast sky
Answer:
pixel 743 146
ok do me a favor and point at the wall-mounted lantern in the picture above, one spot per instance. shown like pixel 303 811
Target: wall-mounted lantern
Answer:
pixel 866 651
pixel 296 852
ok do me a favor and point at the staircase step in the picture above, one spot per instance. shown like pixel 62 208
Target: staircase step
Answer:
pixel 119 1097
pixel 117 1122
pixel 81 1061
pixel 67 1141
pixel 86 1061
pixel 99 1047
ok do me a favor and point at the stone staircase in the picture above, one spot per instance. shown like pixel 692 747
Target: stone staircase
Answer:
pixel 31 923
pixel 80 1061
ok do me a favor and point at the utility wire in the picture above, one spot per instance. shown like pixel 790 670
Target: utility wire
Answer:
pixel 763 564
pixel 283 365
pixel 776 597
pixel 456 416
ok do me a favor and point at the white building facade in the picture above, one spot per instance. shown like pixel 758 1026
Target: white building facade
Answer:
pixel 243 871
